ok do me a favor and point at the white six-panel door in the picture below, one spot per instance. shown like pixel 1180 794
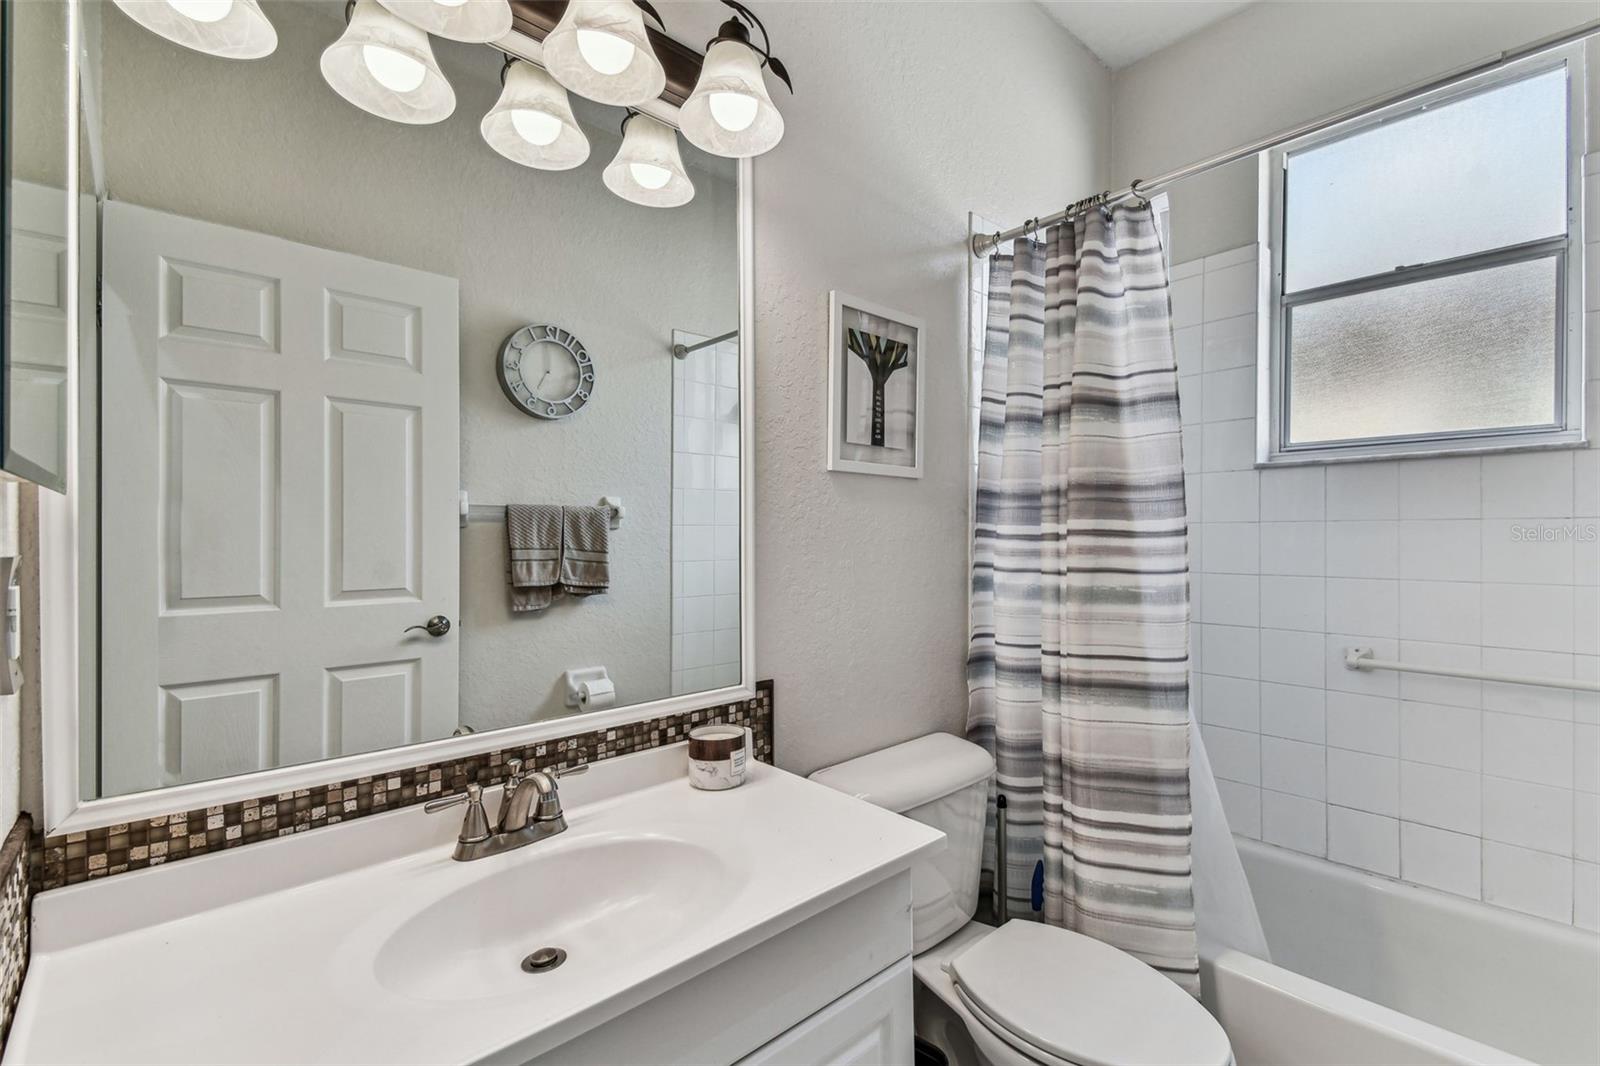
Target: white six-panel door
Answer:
pixel 279 484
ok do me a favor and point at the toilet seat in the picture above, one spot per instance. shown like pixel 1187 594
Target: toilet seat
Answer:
pixel 1064 999
pixel 1032 1052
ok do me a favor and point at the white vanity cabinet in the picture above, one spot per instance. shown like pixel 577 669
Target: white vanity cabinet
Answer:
pixel 768 924
pixel 834 989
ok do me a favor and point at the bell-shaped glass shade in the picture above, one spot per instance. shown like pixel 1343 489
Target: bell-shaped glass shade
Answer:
pixel 385 65
pixel 232 29
pixel 648 169
pixel 730 113
pixel 600 49
pixel 532 122
pixel 474 21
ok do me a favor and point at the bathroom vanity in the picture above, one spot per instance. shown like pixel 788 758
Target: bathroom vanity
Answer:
pixel 769 923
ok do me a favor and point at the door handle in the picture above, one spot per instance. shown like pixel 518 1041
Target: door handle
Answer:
pixel 437 626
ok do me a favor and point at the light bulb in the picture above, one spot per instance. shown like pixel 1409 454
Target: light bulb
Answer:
pixel 394 71
pixel 733 111
pixel 536 127
pixel 605 52
pixel 202 10
pixel 649 176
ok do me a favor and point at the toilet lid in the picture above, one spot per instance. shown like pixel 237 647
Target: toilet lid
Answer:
pixel 1084 1001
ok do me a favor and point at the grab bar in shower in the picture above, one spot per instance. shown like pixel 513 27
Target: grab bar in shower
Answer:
pixel 1363 659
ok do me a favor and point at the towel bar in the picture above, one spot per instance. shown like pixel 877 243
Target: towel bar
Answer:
pixel 482 512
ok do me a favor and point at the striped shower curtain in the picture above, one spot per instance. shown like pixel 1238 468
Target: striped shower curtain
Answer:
pixel 1078 663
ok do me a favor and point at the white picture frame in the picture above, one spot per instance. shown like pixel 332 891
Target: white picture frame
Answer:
pixel 874 424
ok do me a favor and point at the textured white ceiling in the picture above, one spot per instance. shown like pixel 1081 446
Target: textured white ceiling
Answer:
pixel 1121 32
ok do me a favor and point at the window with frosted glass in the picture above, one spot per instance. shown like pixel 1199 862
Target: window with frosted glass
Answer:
pixel 1473 351
pixel 1420 279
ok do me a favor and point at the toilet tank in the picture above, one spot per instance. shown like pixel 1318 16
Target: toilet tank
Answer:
pixel 942 781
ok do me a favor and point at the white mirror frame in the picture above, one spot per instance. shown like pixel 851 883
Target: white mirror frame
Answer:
pixel 68 624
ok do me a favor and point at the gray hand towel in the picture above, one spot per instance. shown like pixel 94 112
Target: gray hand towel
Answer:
pixel 585 550
pixel 533 540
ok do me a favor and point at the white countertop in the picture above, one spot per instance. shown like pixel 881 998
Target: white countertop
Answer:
pixel 276 952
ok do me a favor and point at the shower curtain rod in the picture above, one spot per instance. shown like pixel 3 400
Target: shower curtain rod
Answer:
pixel 985 243
pixel 682 351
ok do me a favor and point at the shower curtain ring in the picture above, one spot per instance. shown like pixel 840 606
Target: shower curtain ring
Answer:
pixel 1137 195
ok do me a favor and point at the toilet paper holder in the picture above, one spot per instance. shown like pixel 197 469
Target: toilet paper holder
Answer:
pixel 589 687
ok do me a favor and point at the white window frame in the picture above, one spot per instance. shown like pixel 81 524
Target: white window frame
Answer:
pixel 1272 401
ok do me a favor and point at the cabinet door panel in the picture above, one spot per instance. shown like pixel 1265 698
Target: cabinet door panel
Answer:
pixel 868 1026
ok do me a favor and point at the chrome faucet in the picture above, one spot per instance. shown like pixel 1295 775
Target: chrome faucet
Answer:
pixel 530 810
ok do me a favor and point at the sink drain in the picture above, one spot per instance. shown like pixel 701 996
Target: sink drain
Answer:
pixel 544 960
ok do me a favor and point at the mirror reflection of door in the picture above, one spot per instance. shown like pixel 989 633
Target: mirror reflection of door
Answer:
pixel 36 397
pixel 33 422
pixel 293 414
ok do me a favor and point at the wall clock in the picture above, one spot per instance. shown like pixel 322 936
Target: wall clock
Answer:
pixel 545 371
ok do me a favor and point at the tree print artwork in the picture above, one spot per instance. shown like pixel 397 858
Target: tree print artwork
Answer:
pixel 883 357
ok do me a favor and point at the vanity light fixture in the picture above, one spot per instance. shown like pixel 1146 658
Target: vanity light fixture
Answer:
pixel 532 122
pixel 600 49
pixel 385 65
pixel 648 169
pixel 232 29
pixel 473 21
pixel 730 113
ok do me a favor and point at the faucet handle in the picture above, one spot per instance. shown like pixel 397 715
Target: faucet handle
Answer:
pixel 473 794
pixel 549 808
pixel 475 825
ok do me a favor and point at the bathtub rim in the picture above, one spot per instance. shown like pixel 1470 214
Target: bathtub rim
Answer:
pixel 1348 1008
pixel 1573 950
pixel 1545 930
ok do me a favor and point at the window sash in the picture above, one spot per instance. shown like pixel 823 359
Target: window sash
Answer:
pixel 1534 250
pixel 1273 399
pixel 1459 93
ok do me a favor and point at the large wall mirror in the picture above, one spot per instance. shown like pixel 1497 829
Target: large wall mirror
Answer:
pixel 333 351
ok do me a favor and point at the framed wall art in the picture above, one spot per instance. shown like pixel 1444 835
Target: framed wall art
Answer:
pixel 874 388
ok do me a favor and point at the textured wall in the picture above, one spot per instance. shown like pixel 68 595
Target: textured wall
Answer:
pixel 526 245
pixel 1277 64
pixel 907 117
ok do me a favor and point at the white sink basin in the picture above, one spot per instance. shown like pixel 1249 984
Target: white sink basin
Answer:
pixel 379 948
pixel 598 899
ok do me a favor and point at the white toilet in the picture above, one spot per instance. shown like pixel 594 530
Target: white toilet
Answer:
pixel 1025 993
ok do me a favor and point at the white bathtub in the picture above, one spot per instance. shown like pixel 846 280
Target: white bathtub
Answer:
pixel 1367 970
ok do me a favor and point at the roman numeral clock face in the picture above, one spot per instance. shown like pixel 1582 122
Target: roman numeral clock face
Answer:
pixel 546 371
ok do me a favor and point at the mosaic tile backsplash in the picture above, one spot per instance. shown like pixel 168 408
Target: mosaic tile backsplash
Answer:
pixel 15 896
pixel 70 858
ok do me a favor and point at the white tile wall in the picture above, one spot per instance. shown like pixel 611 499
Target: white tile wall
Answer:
pixel 1294 822
pixel 705 516
pixel 1439 859
pixel 1487 791
pixel 1368 841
